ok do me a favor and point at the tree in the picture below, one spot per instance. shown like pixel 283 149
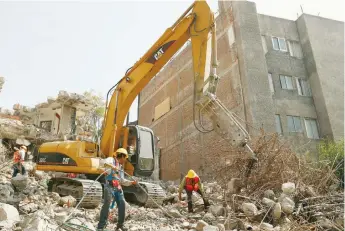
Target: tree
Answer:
pixel 332 153
pixel 92 120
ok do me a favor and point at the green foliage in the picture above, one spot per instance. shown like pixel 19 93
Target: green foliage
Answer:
pixel 332 153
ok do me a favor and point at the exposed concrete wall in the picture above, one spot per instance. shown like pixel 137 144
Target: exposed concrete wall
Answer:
pixel 324 57
pixel 258 101
pixel 279 27
pixel 65 122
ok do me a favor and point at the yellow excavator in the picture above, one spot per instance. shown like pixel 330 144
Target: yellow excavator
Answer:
pixel 197 23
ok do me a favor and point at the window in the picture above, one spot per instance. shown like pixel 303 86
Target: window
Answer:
pixel 286 82
pixel 270 82
pixel 295 49
pixel 294 124
pixel 311 127
pixel 146 161
pixel 264 45
pixel 303 87
pixel 279 44
pixel 279 129
pixel 46 125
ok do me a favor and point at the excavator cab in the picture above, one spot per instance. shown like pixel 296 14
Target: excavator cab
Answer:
pixel 140 147
pixel 140 143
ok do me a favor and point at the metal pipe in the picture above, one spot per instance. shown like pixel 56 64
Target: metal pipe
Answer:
pixel 184 14
pixel 127 119
pixel 112 143
pixel 214 50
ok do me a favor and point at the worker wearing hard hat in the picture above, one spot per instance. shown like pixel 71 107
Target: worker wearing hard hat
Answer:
pixel 191 182
pixel 18 159
pixel 112 187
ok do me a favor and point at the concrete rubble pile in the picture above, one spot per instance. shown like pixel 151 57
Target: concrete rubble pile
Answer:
pixel 290 208
pixel 14 129
pixel 25 204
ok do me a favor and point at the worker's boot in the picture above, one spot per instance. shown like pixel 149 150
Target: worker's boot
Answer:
pixel 206 204
pixel 190 207
pixel 121 228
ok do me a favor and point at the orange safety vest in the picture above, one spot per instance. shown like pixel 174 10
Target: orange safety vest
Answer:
pixel 192 184
pixel 17 157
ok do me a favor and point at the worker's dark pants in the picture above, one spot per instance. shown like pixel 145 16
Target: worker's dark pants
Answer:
pixel 121 207
pixel 18 168
pixel 189 199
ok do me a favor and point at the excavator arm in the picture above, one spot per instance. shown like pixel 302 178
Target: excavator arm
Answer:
pixel 196 23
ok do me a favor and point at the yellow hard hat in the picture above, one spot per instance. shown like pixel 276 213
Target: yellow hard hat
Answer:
pixel 24 147
pixel 123 151
pixel 191 174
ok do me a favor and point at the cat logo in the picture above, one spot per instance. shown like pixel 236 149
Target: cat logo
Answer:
pixel 65 160
pixel 159 53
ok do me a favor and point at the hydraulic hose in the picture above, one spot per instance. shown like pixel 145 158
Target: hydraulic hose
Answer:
pixel 65 223
pixel 75 208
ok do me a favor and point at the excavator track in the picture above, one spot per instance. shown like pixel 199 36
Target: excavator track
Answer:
pixel 145 194
pixel 156 194
pixel 78 188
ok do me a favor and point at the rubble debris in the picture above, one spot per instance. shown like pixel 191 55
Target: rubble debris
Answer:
pixel 175 213
pixel 6 193
pixel 249 209
pixel 19 182
pixel 287 205
pixel 217 210
pixel 15 129
pixel 288 188
pixel 68 200
pixel 277 211
pixel 200 225
pixel 234 186
pixel 8 215
pixel 269 194
pixel 268 202
pixel 210 228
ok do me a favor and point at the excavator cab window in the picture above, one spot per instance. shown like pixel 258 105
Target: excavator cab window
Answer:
pixel 140 148
pixel 146 150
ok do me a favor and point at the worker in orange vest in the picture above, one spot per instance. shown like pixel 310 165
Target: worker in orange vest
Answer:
pixel 18 159
pixel 191 182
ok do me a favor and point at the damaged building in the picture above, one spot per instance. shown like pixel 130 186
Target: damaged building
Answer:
pixel 276 74
pixel 56 119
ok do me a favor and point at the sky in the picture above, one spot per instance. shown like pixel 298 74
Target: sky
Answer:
pixel 47 46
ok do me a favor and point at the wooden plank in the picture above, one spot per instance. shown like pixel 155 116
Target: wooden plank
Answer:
pixel 162 108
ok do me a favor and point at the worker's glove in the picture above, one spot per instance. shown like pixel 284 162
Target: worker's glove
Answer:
pixel 134 182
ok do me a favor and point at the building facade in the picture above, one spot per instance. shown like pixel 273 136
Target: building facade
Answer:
pixel 58 116
pixel 281 75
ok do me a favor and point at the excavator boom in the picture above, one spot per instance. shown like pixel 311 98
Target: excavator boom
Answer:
pixel 195 23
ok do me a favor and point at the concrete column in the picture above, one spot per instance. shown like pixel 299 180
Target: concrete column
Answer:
pixel 258 102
